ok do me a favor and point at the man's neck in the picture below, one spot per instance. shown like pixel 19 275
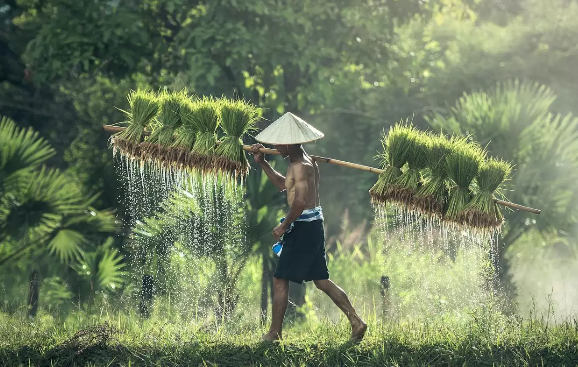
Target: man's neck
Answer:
pixel 298 155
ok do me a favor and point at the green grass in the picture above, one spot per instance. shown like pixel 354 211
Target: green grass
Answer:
pixel 436 318
pixel 486 340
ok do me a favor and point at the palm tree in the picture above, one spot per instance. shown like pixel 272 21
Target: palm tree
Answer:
pixel 205 226
pixel 515 121
pixel 42 211
pixel 191 222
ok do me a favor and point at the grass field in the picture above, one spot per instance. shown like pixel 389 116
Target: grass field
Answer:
pixel 439 316
pixel 486 339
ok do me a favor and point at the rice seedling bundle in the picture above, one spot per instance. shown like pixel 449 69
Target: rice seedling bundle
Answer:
pixel 403 188
pixel 396 145
pixel 144 107
pixel 432 195
pixel 237 119
pixel 463 165
pixel 167 121
pixel 179 153
pixel 205 119
pixel 482 211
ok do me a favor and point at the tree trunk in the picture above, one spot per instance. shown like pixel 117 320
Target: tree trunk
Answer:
pixel 264 287
pixel 384 285
pixel 227 299
pixel 271 289
pixel 227 296
pixel 33 294
pixel 146 296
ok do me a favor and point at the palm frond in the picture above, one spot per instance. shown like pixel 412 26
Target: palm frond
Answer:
pixel 103 267
pixel 54 207
pixel 66 244
pixel 21 150
pixel 110 267
pixel 56 292
pixel 73 232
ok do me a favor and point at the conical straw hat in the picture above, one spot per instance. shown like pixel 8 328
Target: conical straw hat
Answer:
pixel 289 129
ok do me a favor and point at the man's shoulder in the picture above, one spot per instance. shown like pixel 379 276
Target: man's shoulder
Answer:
pixel 301 165
pixel 299 168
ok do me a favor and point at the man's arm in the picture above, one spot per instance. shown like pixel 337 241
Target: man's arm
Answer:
pixel 275 177
pixel 300 173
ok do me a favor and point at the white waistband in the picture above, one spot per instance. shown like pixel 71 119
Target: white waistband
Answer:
pixel 309 215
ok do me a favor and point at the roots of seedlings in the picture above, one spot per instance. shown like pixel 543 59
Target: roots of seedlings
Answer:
pixel 231 167
pixel 478 219
pixel 125 147
pixel 431 197
pixel 458 200
pixel 379 192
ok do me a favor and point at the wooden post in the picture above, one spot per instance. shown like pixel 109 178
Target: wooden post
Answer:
pixel 264 286
pixel 33 294
pixel 296 300
pixel 384 285
pixel 146 296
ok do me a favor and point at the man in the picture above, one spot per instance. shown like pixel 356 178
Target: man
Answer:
pixel 303 255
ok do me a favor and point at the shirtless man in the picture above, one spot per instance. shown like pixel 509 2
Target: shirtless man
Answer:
pixel 303 255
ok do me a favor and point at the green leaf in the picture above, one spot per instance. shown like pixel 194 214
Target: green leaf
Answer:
pixel 21 150
pixel 66 244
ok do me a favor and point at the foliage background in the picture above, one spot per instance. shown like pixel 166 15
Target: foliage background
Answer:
pixel 352 68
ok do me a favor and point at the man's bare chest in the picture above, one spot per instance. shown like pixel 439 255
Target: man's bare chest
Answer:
pixel 289 181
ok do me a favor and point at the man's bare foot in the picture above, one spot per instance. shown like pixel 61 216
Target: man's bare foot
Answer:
pixel 358 329
pixel 271 337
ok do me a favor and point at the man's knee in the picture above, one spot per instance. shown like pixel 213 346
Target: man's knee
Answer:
pixel 280 283
pixel 321 284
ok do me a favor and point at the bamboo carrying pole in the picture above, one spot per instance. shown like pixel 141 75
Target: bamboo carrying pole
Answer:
pixel 360 167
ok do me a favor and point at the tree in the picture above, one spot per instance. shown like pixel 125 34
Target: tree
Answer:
pixel 200 222
pixel 346 59
pixel 215 48
pixel 42 211
pixel 350 67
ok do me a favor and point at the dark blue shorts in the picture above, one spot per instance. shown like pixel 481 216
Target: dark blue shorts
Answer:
pixel 303 257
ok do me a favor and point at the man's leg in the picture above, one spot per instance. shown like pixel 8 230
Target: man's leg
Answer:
pixel 280 299
pixel 338 296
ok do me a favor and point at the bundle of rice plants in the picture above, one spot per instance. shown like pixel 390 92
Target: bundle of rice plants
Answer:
pixel 205 119
pixel 179 153
pixel 482 211
pixel 395 146
pixel 463 165
pixel 144 106
pixel 167 121
pixel 237 119
pixel 432 195
pixel 403 188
